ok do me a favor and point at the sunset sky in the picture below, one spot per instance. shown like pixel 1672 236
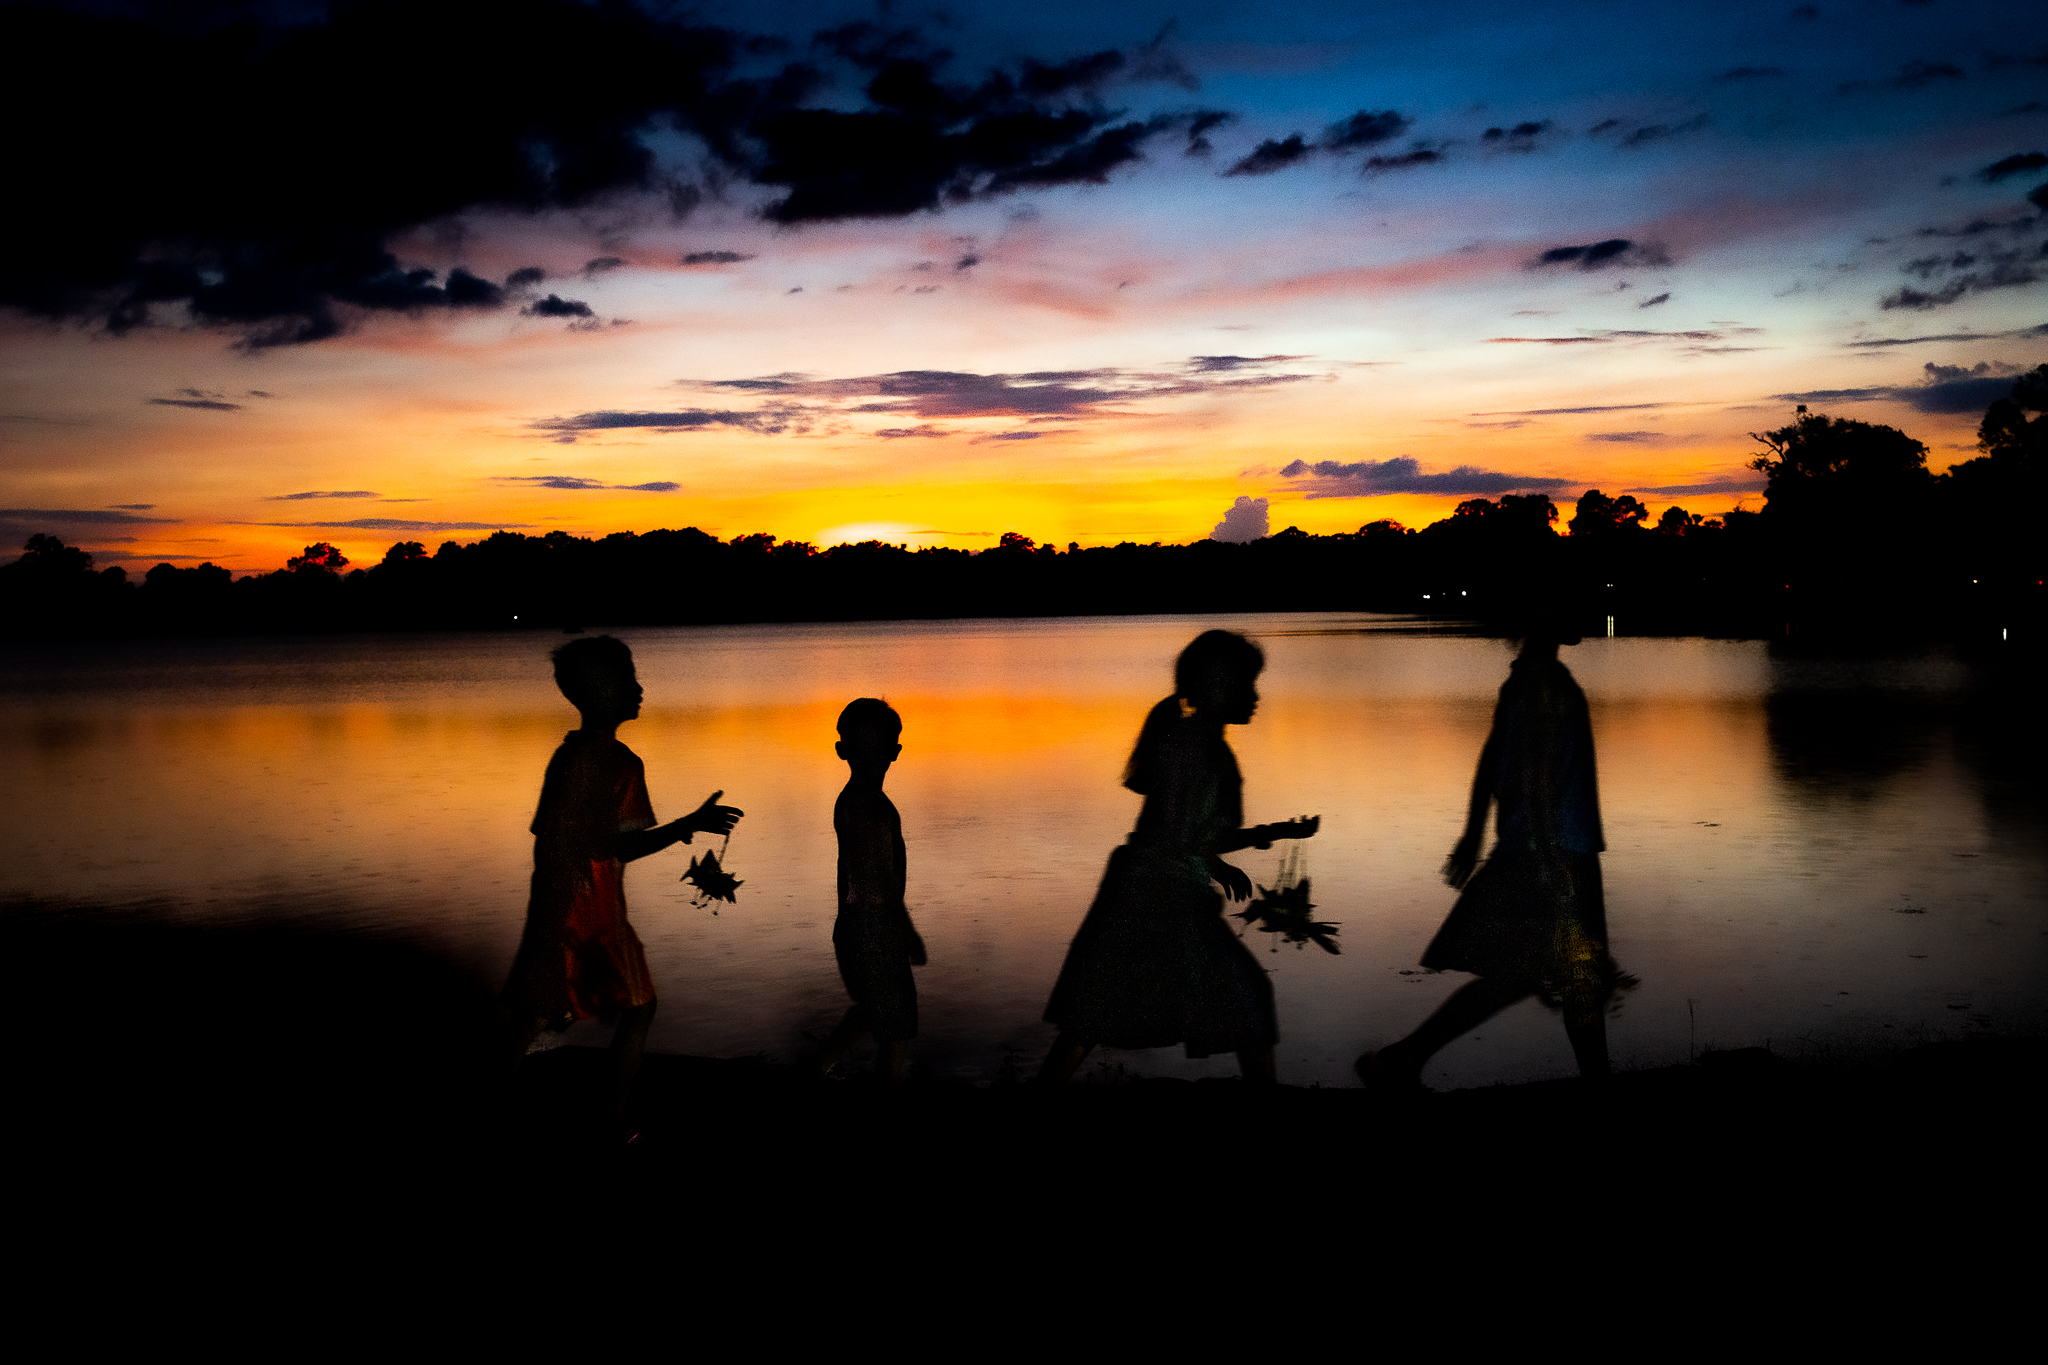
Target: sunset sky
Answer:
pixel 1358 260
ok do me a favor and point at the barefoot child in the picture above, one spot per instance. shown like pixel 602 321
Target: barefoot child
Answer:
pixel 873 938
pixel 579 957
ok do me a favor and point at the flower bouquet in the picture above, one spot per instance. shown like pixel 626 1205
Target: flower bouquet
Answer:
pixel 1284 908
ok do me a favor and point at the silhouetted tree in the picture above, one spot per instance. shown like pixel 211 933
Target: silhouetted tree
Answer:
pixel 1597 514
pixel 319 556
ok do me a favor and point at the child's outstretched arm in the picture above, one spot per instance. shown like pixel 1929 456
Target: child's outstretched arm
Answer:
pixel 1264 836
pixel 709 818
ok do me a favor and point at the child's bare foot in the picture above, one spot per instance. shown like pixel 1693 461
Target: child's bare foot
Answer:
pixel 1385 1075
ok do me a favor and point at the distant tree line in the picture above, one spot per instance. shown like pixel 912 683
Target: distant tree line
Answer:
pixel 1856 537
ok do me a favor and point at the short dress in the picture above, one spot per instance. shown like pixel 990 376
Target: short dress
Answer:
pixel 1518 921
pixel 579 958
pixel 1154 963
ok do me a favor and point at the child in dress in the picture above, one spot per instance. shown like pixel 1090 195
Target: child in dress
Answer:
pixel 579 958
pixel 1153 963
pixel 1533 919
pixel 873 938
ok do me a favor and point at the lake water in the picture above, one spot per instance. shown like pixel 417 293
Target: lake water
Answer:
pixel 1828 857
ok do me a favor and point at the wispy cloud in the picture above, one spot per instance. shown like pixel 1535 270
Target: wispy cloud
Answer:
pixel 338 493
pixel 1403 474
pixel 1734 483
pixel 80 516
pixel 392 524
pixel 572 483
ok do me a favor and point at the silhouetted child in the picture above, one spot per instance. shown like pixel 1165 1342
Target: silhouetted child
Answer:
pixel 873 938
pixel 579 958
pixel 1153 963
pixel 1533 921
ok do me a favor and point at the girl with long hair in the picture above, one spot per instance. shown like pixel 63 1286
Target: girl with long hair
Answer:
pixel 1154 964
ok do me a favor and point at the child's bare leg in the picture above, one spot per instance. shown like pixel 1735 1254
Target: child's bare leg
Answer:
pixel 1585 1023
pixel 1064 1060
pixel 1471 1005
pixel 889 1062
pixel 629 1044
pixel 852 1028
pixel 1255 1064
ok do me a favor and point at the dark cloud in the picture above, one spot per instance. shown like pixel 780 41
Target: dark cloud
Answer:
pixel 1367 128
pixel 2010 269
pixel 1653 302
pixel 601 265
pixel 1949 390
pixel 2013 165
pixel 555 306
pixel 1912 76
pixel 1625 437
pixel 1659 132
pixel 1220 364
pixel 1749 73
pixel 571 483
pixel 136 506
pixel 1615 251
pixel 922 429
pixel 1009 436
pixel 1270 156
pixel 80 516
pixel 771 421
pixel 209 404
pixel 301 497
pixel 1606 125
pixel 525 277
pixel 393 524
pixel 1200 124
pixel 125 219
pixel 1403 474
pixel 716 257
pixel 1520 138
pixel 1547 341
pixel 1876 342
pixel 1738 483
pixel 1421 156
pixel 967 262
pixel 941 394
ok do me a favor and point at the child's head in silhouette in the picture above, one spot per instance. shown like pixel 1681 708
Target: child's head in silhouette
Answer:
pixel 868 733
pixel 1217 674
pixel 596 675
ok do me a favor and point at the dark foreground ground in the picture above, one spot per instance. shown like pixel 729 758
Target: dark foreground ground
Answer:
pixel 173 1086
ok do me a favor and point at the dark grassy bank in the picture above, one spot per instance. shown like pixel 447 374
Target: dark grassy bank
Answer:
pixel 156 1037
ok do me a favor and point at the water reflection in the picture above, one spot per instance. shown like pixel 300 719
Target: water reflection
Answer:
pixel 389 783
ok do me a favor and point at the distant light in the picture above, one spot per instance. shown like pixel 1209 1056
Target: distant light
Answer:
pixel 1425 597
pixel 515 618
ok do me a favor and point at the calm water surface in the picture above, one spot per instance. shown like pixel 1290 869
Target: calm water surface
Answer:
pixel 1821 855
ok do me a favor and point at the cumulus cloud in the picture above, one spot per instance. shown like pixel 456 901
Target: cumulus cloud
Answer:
pixel 1243 521
pixel 1615 251
pixel 1403 474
